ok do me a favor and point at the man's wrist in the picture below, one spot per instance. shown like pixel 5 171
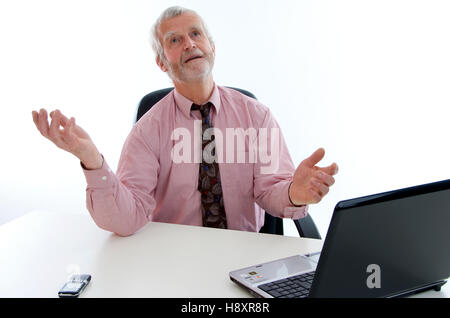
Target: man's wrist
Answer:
pixel 290 200
pixel 96 164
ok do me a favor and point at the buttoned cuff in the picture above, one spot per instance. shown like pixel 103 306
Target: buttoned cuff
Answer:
pixel 98 178
pixel 295 213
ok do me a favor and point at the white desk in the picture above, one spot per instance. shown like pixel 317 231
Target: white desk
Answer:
pixel 41 249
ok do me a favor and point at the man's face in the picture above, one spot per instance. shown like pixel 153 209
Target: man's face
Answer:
pixel 188 53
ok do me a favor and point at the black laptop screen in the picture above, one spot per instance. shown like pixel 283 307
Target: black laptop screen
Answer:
pixel 406 238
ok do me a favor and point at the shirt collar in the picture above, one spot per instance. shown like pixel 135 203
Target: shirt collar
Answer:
pixel 184 104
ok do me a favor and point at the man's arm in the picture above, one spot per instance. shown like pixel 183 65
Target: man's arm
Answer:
pixel 273 172
pixel 279 188
pixel 123 203
pixel 119 203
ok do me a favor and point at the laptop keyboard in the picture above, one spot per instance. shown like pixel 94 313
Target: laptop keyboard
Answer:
pixel 291 287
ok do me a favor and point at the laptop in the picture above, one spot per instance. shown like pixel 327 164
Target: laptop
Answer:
pixel 390 244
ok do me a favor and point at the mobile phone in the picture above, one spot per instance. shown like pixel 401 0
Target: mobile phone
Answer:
pixel 74 286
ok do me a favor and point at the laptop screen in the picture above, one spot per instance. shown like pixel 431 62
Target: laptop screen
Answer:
pixel 386 244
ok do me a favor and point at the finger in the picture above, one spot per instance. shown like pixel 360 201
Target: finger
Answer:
pixel 322 188
pixel 54 132
pixel 330 170
pixel 35 117
pixel 64 119
pixel 315 195
pixel 68 135
pixel 43 122
pixel 325 178
pixel 314 158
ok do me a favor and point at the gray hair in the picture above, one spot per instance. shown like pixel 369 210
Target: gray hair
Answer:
pixel 169 13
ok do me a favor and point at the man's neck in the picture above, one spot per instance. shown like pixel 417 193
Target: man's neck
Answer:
pixel 198 92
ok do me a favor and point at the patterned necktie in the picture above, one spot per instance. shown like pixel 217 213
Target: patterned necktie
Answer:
pixel 213 210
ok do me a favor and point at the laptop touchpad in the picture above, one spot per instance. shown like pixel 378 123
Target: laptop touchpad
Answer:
pixel 278 269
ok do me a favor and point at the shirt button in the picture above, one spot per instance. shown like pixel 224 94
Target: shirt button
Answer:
pixel 104 178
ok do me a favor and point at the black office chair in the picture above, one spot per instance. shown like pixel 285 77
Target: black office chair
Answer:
pixel 272 225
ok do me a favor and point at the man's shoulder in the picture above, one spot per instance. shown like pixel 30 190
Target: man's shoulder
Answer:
pixel 154 111
pixel 236 93
pixel 240 98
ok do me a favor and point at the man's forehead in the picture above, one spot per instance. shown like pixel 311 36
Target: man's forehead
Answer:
pixel 185 21
pixel 173 32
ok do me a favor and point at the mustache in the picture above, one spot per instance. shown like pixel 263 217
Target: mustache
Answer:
pixel 196 52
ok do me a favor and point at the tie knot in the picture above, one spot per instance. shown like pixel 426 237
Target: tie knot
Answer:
pixel 204 109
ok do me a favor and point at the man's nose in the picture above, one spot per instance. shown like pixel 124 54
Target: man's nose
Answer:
pixel 189 43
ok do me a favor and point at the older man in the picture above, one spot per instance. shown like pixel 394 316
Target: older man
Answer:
pixel 218 183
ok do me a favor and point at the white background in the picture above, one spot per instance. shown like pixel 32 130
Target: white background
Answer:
pixel 367 80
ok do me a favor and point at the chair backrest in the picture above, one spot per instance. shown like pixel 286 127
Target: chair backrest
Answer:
pixel 307 228
pixel 151 99
pixel 272 224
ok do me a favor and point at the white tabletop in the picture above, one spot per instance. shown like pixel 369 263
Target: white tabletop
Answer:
pixel 40 250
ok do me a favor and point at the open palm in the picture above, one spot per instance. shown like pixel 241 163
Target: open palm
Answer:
pixel 311 183
pixel 67 135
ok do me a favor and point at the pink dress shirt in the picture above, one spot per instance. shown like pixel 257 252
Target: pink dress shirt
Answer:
pixel 150 186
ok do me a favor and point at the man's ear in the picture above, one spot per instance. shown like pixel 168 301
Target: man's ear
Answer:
pixel 161 64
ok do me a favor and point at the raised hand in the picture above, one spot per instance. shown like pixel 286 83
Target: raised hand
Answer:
pixel 311 183
pixel 67 135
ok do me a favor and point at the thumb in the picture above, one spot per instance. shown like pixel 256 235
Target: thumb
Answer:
pixel 312 160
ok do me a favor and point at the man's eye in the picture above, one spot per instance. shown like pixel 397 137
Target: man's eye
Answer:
pixel 196 33
pixel 174 40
